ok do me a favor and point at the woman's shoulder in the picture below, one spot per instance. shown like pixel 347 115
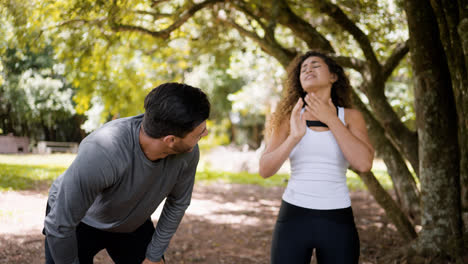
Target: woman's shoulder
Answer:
pixel 352 115
pixel 351 111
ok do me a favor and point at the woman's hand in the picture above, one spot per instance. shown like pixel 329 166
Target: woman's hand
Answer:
pixel 322 111
pixel 282 141
pixel 297 122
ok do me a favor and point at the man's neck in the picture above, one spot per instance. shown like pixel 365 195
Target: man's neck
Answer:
pixel 153 148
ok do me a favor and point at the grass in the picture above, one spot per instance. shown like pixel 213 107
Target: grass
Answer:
pixel 241 178
pixel 30 172
pixel 27 177
pixel 355 183
pixel 52 160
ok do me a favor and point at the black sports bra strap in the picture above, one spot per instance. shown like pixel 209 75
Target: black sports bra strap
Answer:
pixel 316 123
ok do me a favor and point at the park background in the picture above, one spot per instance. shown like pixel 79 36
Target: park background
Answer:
pixel 67 67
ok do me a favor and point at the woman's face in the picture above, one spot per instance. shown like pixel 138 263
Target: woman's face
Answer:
pixel 315 75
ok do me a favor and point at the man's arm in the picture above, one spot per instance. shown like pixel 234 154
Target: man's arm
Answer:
pixel 174 209
pixel 88 175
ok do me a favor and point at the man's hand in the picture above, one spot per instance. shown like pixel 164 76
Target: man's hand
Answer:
pixel 147 261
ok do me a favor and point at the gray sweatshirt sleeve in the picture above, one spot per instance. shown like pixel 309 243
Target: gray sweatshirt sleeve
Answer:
pixel 174 209
pixel 87 176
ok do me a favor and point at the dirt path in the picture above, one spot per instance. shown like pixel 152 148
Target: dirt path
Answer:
pixel 226 223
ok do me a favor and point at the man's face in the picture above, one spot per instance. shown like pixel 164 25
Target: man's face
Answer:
pixel 187 143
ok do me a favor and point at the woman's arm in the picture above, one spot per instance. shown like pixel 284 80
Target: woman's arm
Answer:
pixel 352 139
pixel 282 142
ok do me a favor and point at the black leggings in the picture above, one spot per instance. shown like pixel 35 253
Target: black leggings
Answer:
pixel 298 231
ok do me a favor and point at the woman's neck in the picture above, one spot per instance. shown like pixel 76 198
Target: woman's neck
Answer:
pixel 324 94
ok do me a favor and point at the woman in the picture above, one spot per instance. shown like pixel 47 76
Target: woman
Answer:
pixel 316 128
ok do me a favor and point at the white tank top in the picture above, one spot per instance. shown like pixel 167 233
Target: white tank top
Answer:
pixel 318 172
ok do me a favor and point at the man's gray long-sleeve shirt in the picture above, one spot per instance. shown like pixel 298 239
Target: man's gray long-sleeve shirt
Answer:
pixel 112 186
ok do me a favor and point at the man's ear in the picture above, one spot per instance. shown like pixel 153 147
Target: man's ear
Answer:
pixel 169 140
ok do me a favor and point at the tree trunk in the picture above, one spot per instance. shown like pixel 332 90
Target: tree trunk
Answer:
pixel 403 181
pixel 453 25
pixel 391 208
pixel 437 135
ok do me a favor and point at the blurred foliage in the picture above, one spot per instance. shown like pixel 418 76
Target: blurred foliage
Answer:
pixel 35 98
pixel 383 22
pixel 355 183
pixel 217 83
pixel 218 134
pixel 400 93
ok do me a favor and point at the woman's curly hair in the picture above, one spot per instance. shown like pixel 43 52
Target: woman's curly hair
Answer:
pixel 340 91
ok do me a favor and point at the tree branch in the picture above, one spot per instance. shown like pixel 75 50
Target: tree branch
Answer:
pixel 348 62
pixel 269 29
pixel 165 33
pixel 283 55
pixel 393 211
pixel 241 7
pixel 157 2
pixel 155 15
pixel 247 33
pixel 302 29
pixel 283 14
pixel 342 19
pixel 392 62
pixel 77 21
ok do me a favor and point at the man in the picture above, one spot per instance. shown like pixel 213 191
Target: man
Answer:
pixel 122 172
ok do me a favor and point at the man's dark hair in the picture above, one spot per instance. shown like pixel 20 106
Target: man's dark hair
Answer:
pixel 174 109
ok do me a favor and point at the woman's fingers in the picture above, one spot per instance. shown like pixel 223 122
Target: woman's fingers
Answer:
pixel 298 106
pixel 312 110
pixel 313 103
pixel 296 112
pixel 297 109
pixel 297 122
pixel 312 99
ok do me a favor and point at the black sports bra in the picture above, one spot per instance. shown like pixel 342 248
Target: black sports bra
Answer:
pixel 316 123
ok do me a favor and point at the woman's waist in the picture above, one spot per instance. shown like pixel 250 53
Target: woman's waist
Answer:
pixel 335 166
pixel 317 194
pixel 318 187
pixel 318 174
